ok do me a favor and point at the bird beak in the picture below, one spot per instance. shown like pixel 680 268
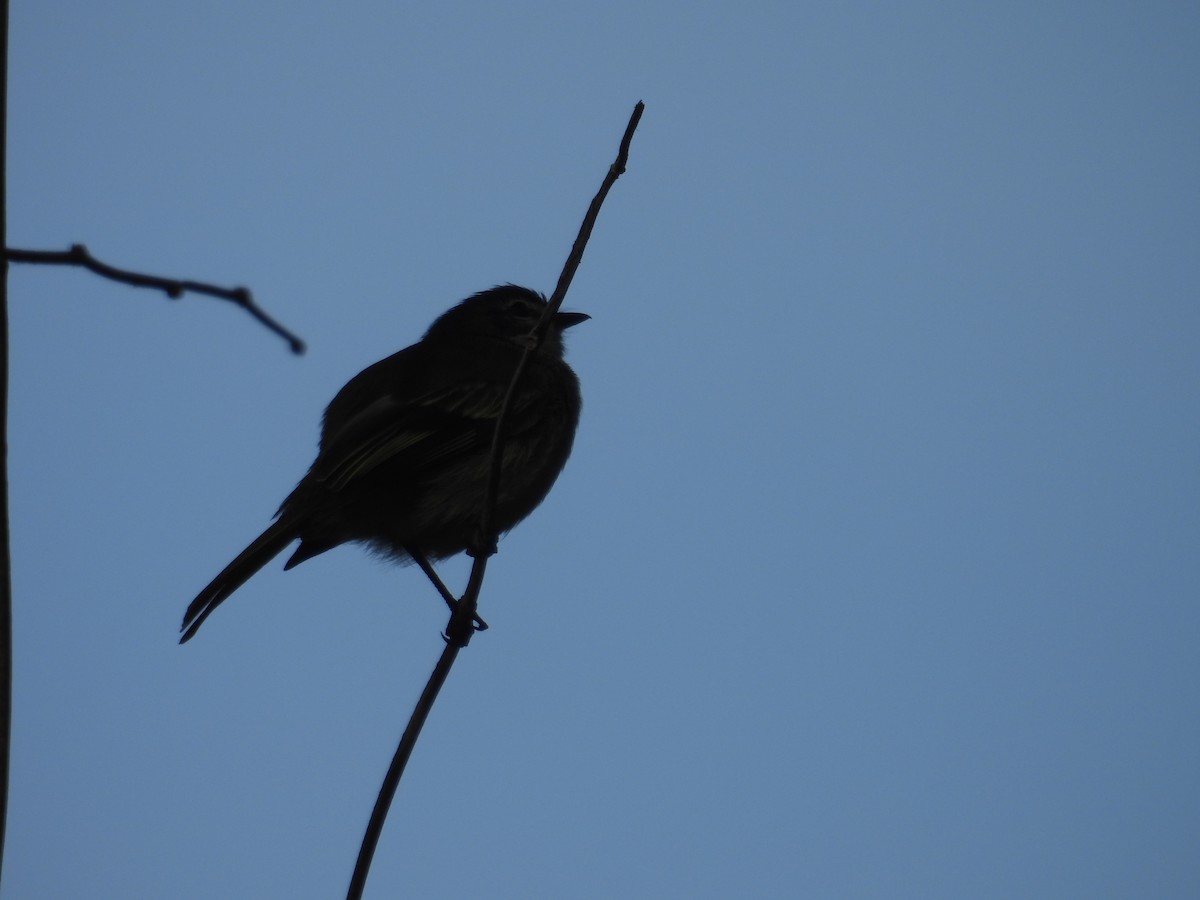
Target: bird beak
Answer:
pixel 564 320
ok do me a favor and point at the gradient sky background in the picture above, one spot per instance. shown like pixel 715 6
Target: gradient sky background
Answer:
pixel 875 571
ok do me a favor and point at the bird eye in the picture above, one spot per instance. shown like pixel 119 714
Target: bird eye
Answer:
pixel 523 310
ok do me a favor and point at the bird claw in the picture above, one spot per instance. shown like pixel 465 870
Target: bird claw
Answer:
pixel 459 629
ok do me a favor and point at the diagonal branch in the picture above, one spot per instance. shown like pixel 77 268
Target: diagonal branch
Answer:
pixel 458 632
pixel 174 288
pixel 487 529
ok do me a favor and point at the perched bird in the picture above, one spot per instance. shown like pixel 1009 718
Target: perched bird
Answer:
pixel 405 445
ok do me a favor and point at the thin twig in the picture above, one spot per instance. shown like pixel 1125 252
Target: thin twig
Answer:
pixel 174 288
pixel 487 531
pixel 458 632
pixel 615 171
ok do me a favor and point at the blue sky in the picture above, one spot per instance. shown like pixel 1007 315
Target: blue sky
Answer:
pixel 874 572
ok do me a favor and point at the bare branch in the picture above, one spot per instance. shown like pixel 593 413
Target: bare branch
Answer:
pixel 358 881
pixel 174 288
pixel 463 618
pixel 488 536
pixel 615 171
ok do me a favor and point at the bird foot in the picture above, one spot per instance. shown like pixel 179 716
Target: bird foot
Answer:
pixel 460 628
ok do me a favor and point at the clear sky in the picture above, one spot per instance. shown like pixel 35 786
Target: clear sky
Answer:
pixel 875 571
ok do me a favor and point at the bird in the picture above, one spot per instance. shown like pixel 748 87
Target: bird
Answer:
pixel 405 447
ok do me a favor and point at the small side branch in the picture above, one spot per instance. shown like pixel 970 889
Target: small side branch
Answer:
pixel 174 288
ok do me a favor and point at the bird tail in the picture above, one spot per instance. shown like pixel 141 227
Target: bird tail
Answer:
pixel 261 551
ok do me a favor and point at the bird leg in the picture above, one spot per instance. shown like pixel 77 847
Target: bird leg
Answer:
pixel 451 601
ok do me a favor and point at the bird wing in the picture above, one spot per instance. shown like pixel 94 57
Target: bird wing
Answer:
pixel 419 434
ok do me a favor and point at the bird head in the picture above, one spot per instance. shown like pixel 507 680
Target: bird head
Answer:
pixel 507 312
